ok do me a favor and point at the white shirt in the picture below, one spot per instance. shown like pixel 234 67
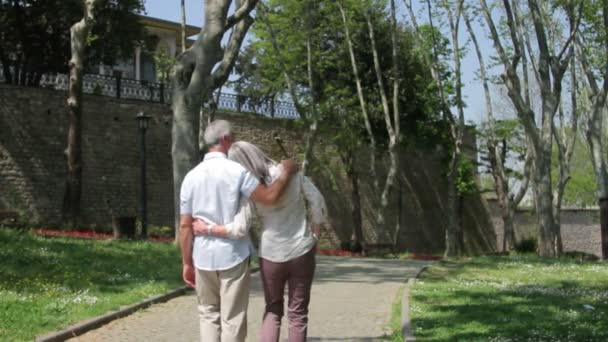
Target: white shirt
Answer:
pixel 212 192
pixel 287 234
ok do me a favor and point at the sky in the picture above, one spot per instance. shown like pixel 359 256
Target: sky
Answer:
pixel 472 91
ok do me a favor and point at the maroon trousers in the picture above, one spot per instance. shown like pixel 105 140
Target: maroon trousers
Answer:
pixel 297 274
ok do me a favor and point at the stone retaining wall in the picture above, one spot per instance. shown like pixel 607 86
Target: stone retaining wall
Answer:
pixel 580 228
pixel 33 129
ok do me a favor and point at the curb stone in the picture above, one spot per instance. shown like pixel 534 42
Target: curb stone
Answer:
pixel 96 322
pixel 406 325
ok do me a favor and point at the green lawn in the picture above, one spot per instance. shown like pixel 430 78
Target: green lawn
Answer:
pixel 521 298
pixel 396 318
pixel 49 283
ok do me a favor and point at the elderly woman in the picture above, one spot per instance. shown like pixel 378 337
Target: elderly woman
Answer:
pixel 287 244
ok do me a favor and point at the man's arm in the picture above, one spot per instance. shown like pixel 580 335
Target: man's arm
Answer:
pixel 270 194
pixel 185 242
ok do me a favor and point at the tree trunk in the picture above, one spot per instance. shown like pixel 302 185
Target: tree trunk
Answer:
pixel 594 127
pixel 73 187
pixel 508 242
pixel 496 155
pixel 392 126
pixel 314 117
pixel 183 41
pixel 549 71
pixel 547 239
pixel 362 101
pixel 353 177
pixel 196 74
pixel 453 231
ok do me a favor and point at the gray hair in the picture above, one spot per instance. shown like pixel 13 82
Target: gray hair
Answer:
pixel 253 159
pixel 215 131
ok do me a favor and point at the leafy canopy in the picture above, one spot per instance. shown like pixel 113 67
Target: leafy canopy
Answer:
pixel 35 35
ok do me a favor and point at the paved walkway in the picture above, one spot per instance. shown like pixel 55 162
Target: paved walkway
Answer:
pixel 351 301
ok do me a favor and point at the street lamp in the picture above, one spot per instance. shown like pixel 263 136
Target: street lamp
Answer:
pixel 142 123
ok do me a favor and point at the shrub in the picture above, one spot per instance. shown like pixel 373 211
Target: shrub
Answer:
pixel 345 245
pixel 351 246
pixel 526 246
pixel 581 256
pixel 160 231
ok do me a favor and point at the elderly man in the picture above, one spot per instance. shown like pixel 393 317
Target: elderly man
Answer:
pixel 218 268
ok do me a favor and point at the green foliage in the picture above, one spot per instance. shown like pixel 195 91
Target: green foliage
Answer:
pixel 508 134
pixel 523 298
pixel 581 188
pixel 594 32
pixel 163 63
pixel 161 231
pixel 465 177
pixel 260 75
pixel 97 89
pixel 49 283
pixel 35 35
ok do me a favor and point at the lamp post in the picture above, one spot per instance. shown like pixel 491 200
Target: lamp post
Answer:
pixel 142 123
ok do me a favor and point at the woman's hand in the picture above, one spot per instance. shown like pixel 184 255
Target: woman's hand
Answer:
pixel 199 227
pixel 316 231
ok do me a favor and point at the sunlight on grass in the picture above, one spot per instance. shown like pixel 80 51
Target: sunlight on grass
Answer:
pixel 49 283
pixel 522 298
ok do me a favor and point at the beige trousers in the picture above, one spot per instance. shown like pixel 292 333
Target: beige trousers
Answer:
pixel 223 297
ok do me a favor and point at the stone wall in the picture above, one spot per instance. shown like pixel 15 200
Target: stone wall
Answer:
pixel 33 124
pixel 580 228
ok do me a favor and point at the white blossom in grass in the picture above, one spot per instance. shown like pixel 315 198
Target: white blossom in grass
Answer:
pixel 500 339
pixel 415 308
pixel 83 297
pixel 572 314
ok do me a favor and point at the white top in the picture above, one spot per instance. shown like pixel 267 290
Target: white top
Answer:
pixel 287 234
pixel 212 192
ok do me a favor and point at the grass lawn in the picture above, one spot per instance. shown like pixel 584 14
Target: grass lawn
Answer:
pixel 518 298
pixel 49 283
pixel 396 335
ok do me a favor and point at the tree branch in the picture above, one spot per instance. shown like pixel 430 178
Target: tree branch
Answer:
pixel 521 192
pixel 220 75
pixel 514 36
pixel 242 12
pixel 573 32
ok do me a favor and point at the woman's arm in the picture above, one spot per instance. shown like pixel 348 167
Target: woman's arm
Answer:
pixel 233 230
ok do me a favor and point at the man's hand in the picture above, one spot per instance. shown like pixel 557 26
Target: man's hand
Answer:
pixel 270 194
pixel 290 166
pixel 199 227
pixel 188 275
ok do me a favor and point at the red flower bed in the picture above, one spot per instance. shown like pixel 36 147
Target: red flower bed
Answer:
pixel 336 252
pixel 418 256
pixel 88 235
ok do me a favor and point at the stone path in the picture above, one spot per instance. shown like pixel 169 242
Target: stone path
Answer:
pixel 351 301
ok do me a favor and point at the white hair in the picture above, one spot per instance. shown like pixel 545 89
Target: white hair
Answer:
pixel 215 131
pixel 252 158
